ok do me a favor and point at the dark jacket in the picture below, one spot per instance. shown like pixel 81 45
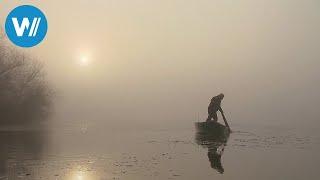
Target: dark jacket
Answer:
pixel 215 105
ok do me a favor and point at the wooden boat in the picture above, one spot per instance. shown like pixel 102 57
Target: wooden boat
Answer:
pixel 210 127
pixel 211 132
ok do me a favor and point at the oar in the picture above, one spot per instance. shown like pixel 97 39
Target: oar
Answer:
pixel 225 121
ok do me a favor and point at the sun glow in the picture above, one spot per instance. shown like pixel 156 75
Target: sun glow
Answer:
pixel 84 61
pixel 79 175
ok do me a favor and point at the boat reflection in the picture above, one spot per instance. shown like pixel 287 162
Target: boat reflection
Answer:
pixel 215 141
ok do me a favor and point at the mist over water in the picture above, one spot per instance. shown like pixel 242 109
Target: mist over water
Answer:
pixel 130 78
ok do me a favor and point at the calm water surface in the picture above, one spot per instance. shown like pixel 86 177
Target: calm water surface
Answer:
pixel 177 153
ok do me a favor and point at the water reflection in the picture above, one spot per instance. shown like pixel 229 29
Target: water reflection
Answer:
pixel 215 139
pixel 80 175
pixel 17 148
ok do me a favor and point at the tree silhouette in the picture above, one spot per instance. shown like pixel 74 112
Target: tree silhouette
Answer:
pixel 25 95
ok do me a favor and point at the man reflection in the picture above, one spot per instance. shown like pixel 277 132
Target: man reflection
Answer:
pixel 214 155
pixel 215 142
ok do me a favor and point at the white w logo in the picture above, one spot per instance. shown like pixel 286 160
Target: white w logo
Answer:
pixel 25 25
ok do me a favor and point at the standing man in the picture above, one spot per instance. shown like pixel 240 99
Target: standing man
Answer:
pixel 214 107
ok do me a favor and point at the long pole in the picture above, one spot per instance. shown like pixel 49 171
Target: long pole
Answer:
pixel 225 120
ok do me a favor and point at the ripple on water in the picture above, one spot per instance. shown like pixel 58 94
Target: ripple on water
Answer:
pixel 253 140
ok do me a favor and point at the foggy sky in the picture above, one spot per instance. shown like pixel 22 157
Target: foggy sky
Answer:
pixel 160 62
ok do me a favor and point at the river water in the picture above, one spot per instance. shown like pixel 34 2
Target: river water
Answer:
pixel 250 152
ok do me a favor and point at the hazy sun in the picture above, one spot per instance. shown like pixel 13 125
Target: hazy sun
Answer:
pixel 84 61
